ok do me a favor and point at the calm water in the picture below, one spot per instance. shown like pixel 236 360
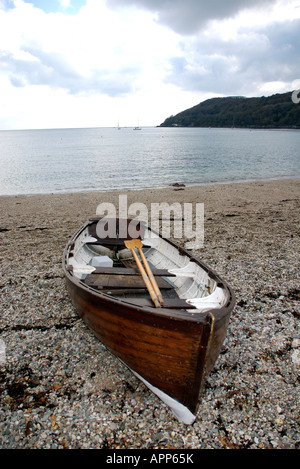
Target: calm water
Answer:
pixel 71 160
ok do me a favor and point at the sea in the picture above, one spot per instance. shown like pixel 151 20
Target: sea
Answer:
pixel 105 159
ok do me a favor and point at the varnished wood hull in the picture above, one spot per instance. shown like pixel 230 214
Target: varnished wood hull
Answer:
pixel 171 349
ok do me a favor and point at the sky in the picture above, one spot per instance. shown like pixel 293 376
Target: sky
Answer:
pixel 97 63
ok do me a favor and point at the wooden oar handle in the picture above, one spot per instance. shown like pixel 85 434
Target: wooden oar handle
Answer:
pixel 146 280
pixel 151 277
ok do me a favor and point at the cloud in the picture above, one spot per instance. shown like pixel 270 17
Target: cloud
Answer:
pixel 52 6
pixel 89 53
pixel 52 69
pixel 189 16
pixel 100 61
pixel 240 64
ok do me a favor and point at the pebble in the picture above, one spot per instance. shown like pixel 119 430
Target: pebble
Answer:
pixel 60 387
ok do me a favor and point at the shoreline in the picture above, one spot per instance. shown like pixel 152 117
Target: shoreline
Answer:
pixel 61 388
pixel 149 188
pixel 216 197
pixel 152 127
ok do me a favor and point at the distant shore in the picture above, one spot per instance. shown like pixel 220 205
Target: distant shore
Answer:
pixel 61 388
pixel 241 112
pixel 177 126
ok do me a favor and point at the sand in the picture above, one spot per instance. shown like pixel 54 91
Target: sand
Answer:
pixel 62 389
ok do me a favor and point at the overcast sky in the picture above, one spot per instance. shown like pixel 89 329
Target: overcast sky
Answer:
pixel 93 63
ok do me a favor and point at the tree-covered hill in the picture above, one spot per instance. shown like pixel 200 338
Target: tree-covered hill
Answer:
pixel 277 111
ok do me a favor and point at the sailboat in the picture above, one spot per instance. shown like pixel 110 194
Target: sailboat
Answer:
pixel 137 127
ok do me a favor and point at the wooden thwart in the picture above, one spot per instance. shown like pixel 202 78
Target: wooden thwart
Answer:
pixel 121 281
pixel 107 242
pixel 130 271
pixel 169 303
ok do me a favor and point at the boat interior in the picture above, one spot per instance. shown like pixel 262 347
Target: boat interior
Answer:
pixel 106 265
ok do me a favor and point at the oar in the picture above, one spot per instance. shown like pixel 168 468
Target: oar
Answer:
pixel 130 245
pixel 138 244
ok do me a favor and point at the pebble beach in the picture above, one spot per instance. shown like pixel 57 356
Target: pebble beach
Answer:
pixel 60 388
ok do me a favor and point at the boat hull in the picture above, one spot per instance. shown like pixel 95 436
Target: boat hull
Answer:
pixel 170 350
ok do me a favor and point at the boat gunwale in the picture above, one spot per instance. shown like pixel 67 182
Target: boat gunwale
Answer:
pixel 179 314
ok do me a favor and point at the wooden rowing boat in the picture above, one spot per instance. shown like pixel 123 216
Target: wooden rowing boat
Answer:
pixel 170 347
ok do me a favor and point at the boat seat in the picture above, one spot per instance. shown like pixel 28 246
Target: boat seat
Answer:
pixel 117 228
pixel 108 242
pixel 121 281
pixel 130 271
pixel 113 242
pixel 169 303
